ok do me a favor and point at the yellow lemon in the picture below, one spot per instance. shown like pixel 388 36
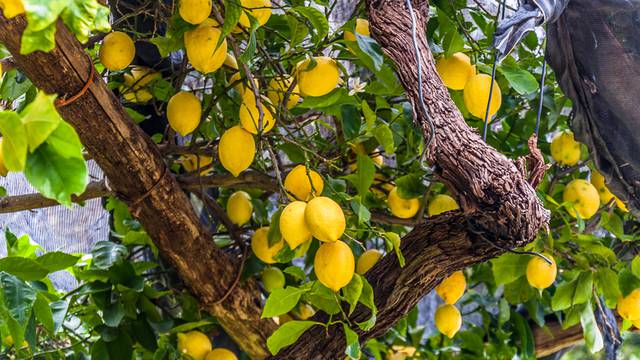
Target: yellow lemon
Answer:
pixel 273 279
pixel 455 71
pixel 629 306
pixel 236 150
pixel 636 324
pixel 452 288
pixel 250 115
pixel 565 150
pixel 367 260
pixel 260 246
pixel 195 344
pixel 598 181
pixel 231 61
pixel 305 311
pixel 238 84
pixel 298 183
pixel 221 354
pixel 334 265
pixel 402 208
pixel 194 11
pixel 183 112
pixel 320 79
pixel 440 204
pixel 239 208
pixel 584 198
pixel 202 47
pixel 259 9
pixel 540 274
pixel 10 342
pixel 362 28
pixel 3 167
pixel 400 352
pixel 448 320
pixel 193 162
pixel 11 8
pixel 476 96
pixel 117 51
pixel 136 85
pixel 293 226
pixel 278 88
pixel 325 219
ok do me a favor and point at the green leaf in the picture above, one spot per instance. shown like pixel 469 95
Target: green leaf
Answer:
pixel 322 298
pixel 59 312
pixel 369 52
pixel 250 48
pixel 319 22
pixel 384 135
pixel 189 326
pixel 395 240
pixel 38 40
pixel 352 349
pixel 113 314
pixel 18 298
pixel 66 142
pixel 273 235
pixel 635 266
pixel 520 80
pixel 366 298
pixel 369 115
pixel 350 118
pixel 592 336
pixel 40 119
pixel 288 334
pixel 410 186
pixel 14 141
pixel 282 301
pixel 525 335
pixel 365 174
pixel 607 284
pixel 352 292
pixel 519 291
pixel 56 261
pixel 508 268
pixel 627 282
pixel 82 17
pixel 106 253
pixel 296 272
pixel 576 292
pixel 24 268
pixel 43 313
pixel 232 12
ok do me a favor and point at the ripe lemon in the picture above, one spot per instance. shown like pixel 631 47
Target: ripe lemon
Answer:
pixel 320 79
pixel 259 9
pixel 239 208
pixel 293 226
pixel 367 260
pixel 183 112
pixel 193 162
pixel 440 204
pixel 11 8
pixel 278 88
pixel 231 61
pixel 221 354
pixel 305 311
pixel 195 344
pixel 362 28
pixel 629 306
pixel 194 11
pixel 448 320
pixel 334 265
pixel 455 71
pixel 136 85
pixel 298 183
pixel 260 246
pixel 325 219
pixel 598 181
pixel 202 47
pixel 565 150
pixel 584 198
pixel 402 208
pixel 236 150
pixel 250 115
pixel 272 279
pixel 117 51
pixel 540 274
pixel 3 167
pixel 239 85
pixel 452 288
pixel 476 96
pixel 8 341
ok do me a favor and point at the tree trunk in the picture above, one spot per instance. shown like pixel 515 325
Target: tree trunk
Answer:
pixel 136 171
pixel 500 208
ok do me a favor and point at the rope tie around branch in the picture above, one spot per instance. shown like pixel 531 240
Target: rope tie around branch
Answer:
pixel 64 101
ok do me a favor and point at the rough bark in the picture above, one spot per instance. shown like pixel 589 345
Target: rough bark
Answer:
pixel 136 171
pixel 500 208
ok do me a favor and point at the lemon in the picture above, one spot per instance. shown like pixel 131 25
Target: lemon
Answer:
pixel 629 306
pixel 334 265
pixel 293 226
pixel 476 96
pixel 455 71
pixel 183 112
pixel 636 324
pixel 239 208
pixel 402 208
pixel 250 115
pixel 11 8
pixel 260 246
pixel 8 340
pixel 325 219
pixel 305 311
pixel 221 354
pixel 320 79
pixel 598 181
pixel 375 155
pixel 259 9
pixel 231 61
pixel 195 344
pixel 272 279
pixel 193 162
pixel 400 352
pixel 239 85
pixel 202 47
pixel 362 28
pixel 117 51
pixel 236 150
pixel 448 320
pixel 367 260
pixel 298 183
pixel 3 167
pixel 136 85
pixel 194 11
pixel 440 204
pixel 565 150
pixel 584 198
pixel 278 88
pixel 540 274
pixel 452 288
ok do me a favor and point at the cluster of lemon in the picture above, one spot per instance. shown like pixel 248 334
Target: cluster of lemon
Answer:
pixel 197 346
pixel 447 318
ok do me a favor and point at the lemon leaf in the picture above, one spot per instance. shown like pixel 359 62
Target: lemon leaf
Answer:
pixel 287 334
pixel 282 301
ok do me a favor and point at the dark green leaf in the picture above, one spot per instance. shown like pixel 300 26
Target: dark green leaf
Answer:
pixel 106 253
pixel 508 268
pixel 24 268
pixel 56 261
pixel 520 80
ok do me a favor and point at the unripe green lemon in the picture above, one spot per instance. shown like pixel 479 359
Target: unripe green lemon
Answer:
pixel 540 274
pixel 239 208
pixel 362 28
pixel 320 79
pixel 583 197
pixel 476 96
pixel 194 11
pixel 117 51
pixel 564 149
pixel 202 48
pixel 293 225
pixel 334 265
pixel 455 70
pixel 325 219
pixel 629 306
pixel 183 112
pixel 452 288
pixel 367 260
pixel 402 208
pixel 195 344
pixel 250 114
pixel 448 320
pixel 272 279
pixel 236 150
pixel 260 246
pixel 440 204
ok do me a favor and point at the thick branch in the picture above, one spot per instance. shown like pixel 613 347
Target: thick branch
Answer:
pixel 136 171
